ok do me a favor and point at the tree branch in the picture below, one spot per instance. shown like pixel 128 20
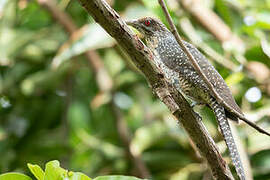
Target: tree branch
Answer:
pixel 190 32
pixel 191 58
pixel 142 58
pixel 199 71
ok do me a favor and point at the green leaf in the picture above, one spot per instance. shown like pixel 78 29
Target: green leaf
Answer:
pixel 53 171
pixel 77 176
pixel 116 178
pixel 36 171
pixel 14 176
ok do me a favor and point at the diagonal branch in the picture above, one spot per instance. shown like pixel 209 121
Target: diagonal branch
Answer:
pixel 201 74
pixel 190 32
pixel 179 107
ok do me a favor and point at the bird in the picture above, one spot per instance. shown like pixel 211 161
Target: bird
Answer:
pixel 179 71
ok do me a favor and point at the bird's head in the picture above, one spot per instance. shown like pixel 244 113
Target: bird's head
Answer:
pixel 148 26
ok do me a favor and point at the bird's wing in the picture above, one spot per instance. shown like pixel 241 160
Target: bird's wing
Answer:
pixel 215 78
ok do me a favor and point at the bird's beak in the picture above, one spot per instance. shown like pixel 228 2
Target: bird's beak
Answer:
pixel 132 23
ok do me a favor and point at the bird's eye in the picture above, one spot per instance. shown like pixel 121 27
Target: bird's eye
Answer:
pixel 147 22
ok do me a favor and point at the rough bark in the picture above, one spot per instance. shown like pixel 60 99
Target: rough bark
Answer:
pixel 176 103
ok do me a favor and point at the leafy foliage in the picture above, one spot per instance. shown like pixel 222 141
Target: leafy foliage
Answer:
pixel 56 104
pixel 53 171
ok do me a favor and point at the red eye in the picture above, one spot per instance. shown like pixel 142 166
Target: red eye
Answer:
pixel 147 22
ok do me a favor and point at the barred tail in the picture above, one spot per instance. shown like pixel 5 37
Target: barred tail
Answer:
pixel 228 137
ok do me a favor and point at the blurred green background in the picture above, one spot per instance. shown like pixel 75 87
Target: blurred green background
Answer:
pixel 69 92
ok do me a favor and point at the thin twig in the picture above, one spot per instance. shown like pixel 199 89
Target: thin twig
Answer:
pixel 217 27
pixel 190 32
pixel 201 74
pixel 171 97
pixel 191 58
